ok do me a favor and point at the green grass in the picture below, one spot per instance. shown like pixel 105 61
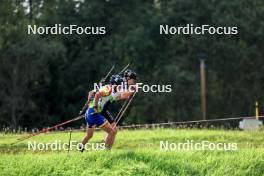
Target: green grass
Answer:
pixel 138 153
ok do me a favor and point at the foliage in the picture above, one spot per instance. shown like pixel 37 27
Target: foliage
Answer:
pixel 55 72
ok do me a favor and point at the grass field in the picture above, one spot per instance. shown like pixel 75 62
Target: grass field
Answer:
pixel 138 153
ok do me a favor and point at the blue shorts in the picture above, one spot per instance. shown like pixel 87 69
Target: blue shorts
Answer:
pixel 93 120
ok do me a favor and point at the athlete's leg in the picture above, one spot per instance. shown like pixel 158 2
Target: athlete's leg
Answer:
pixel 88 136
pixel 111 120
pixel 90 128
pixel 115 132
pixel 110 135
pixel 101 122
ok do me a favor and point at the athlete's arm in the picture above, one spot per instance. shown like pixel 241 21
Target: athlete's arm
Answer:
pixel 99 94
pixel 96 99
pixel 90 95
pixel 127 94
pixel 124 95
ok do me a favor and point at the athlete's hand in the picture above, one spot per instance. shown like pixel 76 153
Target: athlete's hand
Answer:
pixel 103 81
pixel 80 113
pixel 133 88
pixel 95 109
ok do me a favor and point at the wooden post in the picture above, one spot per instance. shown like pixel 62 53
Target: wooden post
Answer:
pixel 203 88
pixel 257 110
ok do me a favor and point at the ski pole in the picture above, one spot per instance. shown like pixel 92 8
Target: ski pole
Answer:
pixel 104 79
pixel 69 144
pixel 124 68
pixel 51 128
pixel 48 129
pixel 118 118
pixel 121 109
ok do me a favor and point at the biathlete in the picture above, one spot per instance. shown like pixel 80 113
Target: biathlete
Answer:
pixel 94 115
pixel 129 79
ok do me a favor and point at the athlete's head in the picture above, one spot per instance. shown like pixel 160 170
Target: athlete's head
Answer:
pixel 115 80
pixel 130 76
